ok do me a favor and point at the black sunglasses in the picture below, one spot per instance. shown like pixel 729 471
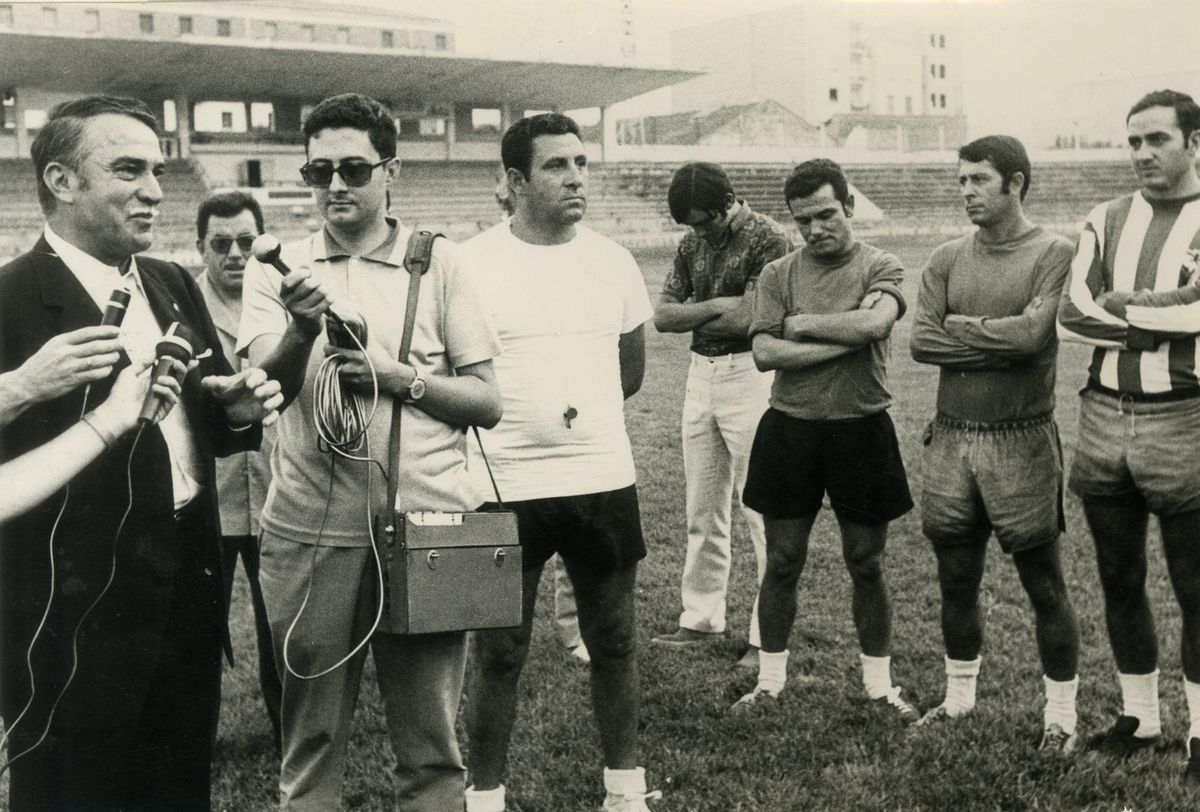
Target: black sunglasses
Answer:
pixel 353 173
pixel 222 245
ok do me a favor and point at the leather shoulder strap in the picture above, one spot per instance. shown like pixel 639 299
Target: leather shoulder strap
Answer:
pixel 416 260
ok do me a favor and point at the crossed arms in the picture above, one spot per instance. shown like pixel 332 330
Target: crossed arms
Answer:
pixel 808 339
pixel 1092 314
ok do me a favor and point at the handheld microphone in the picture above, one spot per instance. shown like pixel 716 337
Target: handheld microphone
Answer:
pixel 266 249
pixel 114 311
pixel 176 344
pixel 342 319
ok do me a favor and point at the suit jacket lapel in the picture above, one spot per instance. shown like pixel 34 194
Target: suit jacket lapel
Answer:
pixel 159 297
pixel 61 291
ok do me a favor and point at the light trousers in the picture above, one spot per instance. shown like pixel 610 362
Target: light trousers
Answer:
pixel 726 396
pixel 420 681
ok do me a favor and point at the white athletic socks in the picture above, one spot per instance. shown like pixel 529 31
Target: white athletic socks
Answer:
pixel 1192 691
pixel 1060 704
pixel 490 800
pixel 625 782
pixel 1139 693
pixel 876 675
pixel 772 671
pixel 961 678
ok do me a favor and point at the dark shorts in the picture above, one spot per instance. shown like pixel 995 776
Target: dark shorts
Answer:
pixel 1131 449
pixel 602 531
pixel 795 462
pixel 1006 477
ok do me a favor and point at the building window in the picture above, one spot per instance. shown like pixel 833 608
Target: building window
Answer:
pixel 308 33
pixel 224 28
pixel 833 94
pixel 6 16
pixel 440 42
pixel 942 101
pixel 485 120
pixel 387 39
pixel 8 109
pixel 908 105
pixel 186 25
pixel 271 30
pixel 933 100
pixel 941 40
pixel 226 121
pixel 91 21
pixel 432 126
pixel 401 39
pixel 49 17
pixel 146 23
pixel 941 71
pixel 933 40
pixel 343 35
pixel 933 71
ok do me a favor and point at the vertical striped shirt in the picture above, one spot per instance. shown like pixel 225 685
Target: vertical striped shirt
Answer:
pixel 1149 250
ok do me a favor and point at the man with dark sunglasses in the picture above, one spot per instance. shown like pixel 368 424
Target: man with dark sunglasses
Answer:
pixel 353 172
pixel 316 532
pixel 226 225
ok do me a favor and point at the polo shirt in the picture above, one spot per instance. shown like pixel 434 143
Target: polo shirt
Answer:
pixel 451 331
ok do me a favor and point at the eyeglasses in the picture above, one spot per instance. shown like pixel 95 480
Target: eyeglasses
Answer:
pixel 222 245
pixel 352 173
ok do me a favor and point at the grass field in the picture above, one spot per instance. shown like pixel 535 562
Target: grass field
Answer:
pixel 825 749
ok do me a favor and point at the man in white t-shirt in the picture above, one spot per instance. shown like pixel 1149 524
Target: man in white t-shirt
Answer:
pixel 569 306
pixel 318 571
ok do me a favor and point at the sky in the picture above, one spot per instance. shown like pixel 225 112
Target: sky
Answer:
pixel 1020 56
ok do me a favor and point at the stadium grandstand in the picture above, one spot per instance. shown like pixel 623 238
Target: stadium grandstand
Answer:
pixel 233 81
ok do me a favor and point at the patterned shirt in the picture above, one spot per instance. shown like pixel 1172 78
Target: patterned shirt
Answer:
pixel 703 272
pixel 1149 249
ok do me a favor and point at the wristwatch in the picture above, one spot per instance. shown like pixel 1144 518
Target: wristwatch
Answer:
pixel 416 389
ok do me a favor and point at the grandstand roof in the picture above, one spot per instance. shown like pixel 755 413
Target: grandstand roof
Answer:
pixel 211 68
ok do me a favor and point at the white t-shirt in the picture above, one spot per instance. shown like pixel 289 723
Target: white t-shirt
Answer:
pixel 559 311
pixel 451 331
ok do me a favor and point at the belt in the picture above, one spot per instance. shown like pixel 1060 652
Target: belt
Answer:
pixel 1009 425
pixel 1143 397
pixel 724 356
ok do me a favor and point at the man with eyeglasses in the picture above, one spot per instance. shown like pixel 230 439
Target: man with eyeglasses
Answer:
pixel 710 293
pixel 318 568
pixel 226 225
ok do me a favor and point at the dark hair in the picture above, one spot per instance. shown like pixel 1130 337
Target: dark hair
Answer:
pixel 516 148
pixel 58 141
pixel 810 176
pixel 227 204
pixel 1187 112
pixel 357 112
pixel 698 186
pixel 1005 153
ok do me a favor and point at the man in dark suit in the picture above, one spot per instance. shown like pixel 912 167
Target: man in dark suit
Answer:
pixel 116 706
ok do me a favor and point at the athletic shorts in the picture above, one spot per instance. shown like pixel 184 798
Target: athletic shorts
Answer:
pixel 603 530
pixel 980 477
pixel 794 463
pixel 1130 448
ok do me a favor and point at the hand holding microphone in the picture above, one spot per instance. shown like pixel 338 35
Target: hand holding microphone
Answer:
pixel 68 361
pixel 302 295
pixel 307 300
pixel 173 354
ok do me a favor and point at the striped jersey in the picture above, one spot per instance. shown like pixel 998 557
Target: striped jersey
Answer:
pixel 1150 250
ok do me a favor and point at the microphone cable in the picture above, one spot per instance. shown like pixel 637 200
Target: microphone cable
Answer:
pixel 112 571
pixel 41 625
pixel 340 417
pixel 342 425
